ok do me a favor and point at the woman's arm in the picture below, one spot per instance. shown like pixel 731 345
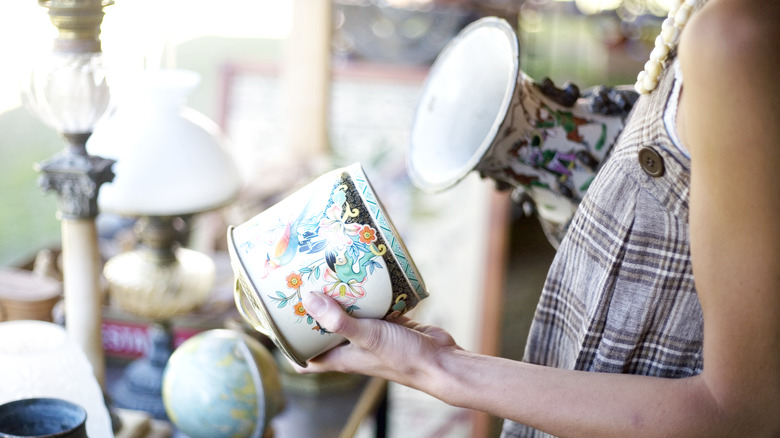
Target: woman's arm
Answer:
pixel 730 108
pixel 561 402
pixel 729 111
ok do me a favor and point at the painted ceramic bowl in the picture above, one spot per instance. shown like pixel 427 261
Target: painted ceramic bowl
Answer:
pixel 332 237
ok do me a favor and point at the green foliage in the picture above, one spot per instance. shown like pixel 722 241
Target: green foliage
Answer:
pixel 28 220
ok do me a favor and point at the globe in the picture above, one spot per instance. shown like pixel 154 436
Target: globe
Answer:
pixel 221 383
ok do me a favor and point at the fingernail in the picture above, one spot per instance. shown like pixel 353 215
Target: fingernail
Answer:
pixel 313 303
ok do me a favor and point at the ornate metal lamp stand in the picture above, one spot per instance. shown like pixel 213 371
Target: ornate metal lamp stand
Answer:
pixel 67 90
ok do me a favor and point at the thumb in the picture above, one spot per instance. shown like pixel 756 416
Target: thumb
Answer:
pixel 329 314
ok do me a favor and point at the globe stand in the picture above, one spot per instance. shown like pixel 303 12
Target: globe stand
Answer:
pixel 140 387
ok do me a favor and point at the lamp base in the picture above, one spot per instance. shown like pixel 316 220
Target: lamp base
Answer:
pixel 144 286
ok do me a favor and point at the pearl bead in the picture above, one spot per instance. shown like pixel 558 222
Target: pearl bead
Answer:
pixel 653 68
pixel 650 82
pixel 670 35
pixel 681 17
pixel 674 5
pixel 668 23
pixel 659 52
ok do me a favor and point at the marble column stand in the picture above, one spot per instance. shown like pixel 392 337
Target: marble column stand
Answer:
pixel 76 177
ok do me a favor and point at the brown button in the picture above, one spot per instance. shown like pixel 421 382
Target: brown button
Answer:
pixel 651 162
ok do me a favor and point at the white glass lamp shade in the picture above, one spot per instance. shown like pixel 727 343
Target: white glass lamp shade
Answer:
pixel 170 158
pixel 68 91
pixel 463 102
pixel 39 359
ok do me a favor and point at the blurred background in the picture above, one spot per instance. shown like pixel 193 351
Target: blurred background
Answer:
pixel 585 41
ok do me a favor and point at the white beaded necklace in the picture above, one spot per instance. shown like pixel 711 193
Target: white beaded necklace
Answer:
pixel 679 13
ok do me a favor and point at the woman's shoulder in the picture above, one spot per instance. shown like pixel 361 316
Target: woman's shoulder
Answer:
pixel 729 60
pixel 734 35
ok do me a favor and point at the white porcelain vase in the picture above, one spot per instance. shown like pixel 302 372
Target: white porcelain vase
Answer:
pixel 39 359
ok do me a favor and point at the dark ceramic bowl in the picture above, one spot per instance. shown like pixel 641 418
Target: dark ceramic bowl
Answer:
pixel 42 418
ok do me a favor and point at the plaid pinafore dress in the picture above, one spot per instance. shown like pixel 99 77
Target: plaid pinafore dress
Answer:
pixel 620 295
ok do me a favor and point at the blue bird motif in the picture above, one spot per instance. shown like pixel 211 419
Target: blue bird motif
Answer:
pixel 287 245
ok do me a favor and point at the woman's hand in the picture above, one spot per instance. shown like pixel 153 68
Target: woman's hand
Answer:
pixel 397 350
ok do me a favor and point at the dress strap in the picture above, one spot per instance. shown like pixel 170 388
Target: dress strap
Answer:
pixel 670 113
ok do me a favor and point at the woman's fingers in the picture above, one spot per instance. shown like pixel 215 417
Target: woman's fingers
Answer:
pixel 368 338
pixel 331 316
pixel 387 349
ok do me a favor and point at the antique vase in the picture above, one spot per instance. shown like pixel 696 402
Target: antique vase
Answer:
pixel 478 111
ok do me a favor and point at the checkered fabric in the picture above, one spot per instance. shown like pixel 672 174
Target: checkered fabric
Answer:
pixel 620 295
